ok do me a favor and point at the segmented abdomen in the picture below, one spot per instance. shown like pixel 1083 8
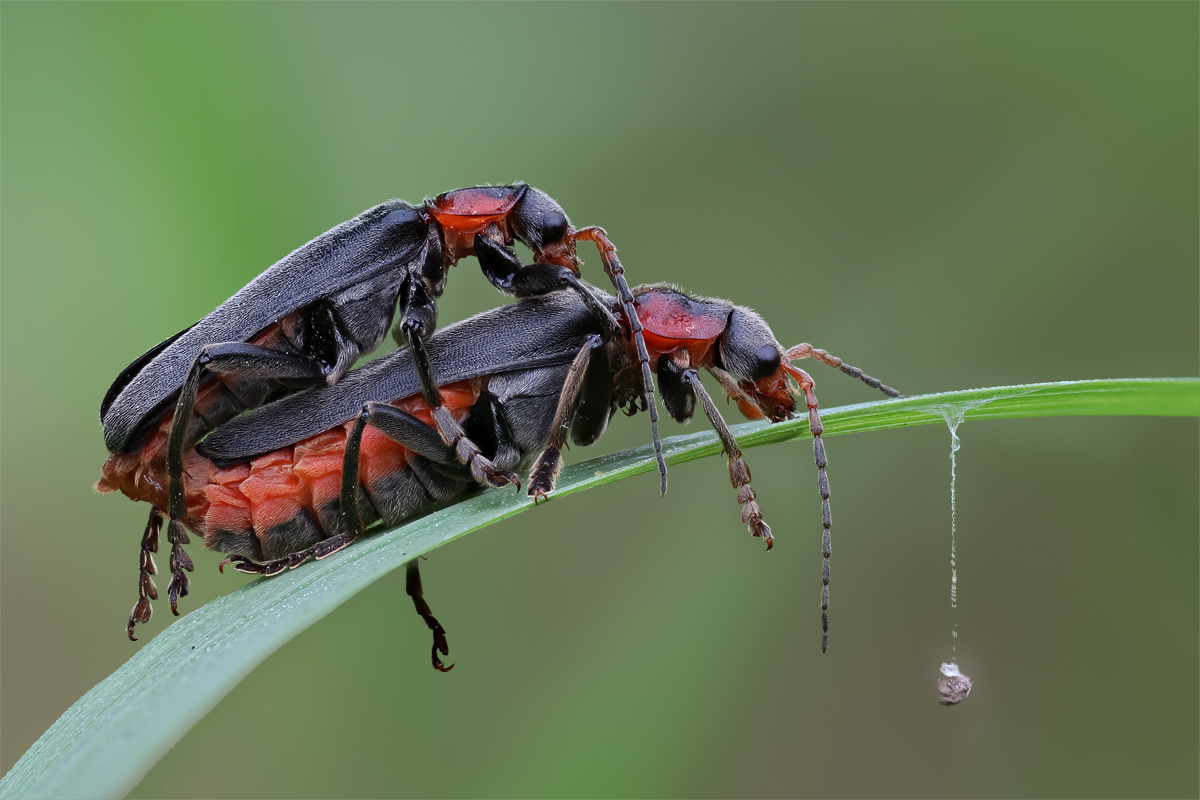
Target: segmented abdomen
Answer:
pixel 287 500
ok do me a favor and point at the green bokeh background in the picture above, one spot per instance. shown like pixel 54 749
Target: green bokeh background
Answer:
pixel 947 195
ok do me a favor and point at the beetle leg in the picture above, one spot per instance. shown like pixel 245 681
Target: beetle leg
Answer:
pixel 616 273
pixel 739 473
pixel 816 428
pixel 414 434
pixel 482 469
pixel 398 425
pixel 228 357
pixel 506 272
pixel 412 585
pixel 321 549
pixel 147 591
pixel 806 350
pixel 545 470
pixel 417 322
pixel 729 384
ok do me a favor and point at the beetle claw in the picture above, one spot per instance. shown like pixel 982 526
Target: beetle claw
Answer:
pixel 438 664
pixel 243 565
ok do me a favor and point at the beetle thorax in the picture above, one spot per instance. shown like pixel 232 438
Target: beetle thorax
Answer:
pixel 684 328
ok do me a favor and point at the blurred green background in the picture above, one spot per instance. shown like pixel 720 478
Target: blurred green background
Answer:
pixel 947 195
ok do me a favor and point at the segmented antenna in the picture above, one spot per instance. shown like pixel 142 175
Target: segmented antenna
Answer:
pixel 796 353
pixel 612 266
pixel 806 350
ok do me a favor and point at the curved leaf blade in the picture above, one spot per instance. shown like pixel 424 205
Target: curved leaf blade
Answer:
pixel 104 744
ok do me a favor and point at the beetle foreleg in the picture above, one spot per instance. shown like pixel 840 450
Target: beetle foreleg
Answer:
pixel 806 350
pixel 739 473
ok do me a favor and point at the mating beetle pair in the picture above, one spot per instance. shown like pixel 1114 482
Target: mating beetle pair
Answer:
pixel 305 321
pixel 301 476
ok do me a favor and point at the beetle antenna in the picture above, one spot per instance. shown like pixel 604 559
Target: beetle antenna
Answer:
pixel 806 350
pixel 612 266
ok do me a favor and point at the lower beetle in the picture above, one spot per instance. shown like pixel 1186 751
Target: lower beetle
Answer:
pixel 300 478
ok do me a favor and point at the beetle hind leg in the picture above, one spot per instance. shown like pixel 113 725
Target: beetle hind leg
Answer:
pixel 147 591
pixel 414 434
pixel 181 564
pixel 412 585
pixel 270 569
pixel 226 357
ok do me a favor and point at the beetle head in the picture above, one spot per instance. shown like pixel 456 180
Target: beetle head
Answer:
pixel 749 354
pixel 541 223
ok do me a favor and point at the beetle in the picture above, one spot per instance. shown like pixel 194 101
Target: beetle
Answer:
pixel 303 476
pixel 304 322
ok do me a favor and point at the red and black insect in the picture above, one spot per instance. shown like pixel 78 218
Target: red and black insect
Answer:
pixel 302 477
pixel 304 322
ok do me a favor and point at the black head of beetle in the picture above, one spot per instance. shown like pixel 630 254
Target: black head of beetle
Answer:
pixel 539 221
pixel 748 349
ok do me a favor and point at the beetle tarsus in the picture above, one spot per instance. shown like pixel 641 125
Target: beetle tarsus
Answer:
pixel 544 474
pixel 412 585
pixel 739 473
pixel 242 564
pixel 147 591
pixel 272 568
pixel 467 452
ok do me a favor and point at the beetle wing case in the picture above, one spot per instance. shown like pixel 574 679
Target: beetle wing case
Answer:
pixel 542 331
pixel 350 253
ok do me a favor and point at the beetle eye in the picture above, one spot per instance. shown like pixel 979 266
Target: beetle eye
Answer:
pixel 554 227
pixel 766 361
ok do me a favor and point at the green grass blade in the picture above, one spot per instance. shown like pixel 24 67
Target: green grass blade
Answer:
pixel 105 743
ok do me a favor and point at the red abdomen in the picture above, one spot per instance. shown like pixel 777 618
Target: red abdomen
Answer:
pixel 279 502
